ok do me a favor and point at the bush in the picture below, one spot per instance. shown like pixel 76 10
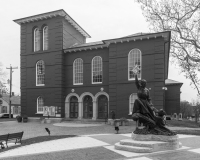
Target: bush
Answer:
pixel 168 118
pixel 19 118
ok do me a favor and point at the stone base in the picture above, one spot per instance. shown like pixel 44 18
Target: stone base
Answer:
pixel 152 137
pixel 148 143
pixel 146 146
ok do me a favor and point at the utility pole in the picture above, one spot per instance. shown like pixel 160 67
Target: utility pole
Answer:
pixel 11 71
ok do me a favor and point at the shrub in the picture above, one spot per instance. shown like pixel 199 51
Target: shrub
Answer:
pixel 19 118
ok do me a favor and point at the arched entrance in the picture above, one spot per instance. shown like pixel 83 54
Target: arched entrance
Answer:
pixel 87 107
pixel 73 107
pixel 102 107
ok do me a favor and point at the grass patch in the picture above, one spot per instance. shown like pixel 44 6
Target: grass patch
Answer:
pixel 38 140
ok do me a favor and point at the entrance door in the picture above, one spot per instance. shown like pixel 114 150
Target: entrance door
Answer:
pixel 73 107
pixel 87 107
pixel 102 107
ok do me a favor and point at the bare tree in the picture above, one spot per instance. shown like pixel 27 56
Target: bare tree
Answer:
pixel 186 108
pixel 2 73
pixel 196 108
pixel 2 77
pixel 182 18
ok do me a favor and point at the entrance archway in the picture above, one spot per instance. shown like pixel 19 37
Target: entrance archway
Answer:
pixel 87 107
pixel 102 107
pixel 73 107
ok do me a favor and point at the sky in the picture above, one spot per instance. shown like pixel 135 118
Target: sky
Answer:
pixel 102 19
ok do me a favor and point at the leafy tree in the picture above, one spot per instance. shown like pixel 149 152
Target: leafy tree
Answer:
pixel 182 18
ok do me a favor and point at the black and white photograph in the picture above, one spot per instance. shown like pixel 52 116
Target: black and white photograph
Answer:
pixel 100 80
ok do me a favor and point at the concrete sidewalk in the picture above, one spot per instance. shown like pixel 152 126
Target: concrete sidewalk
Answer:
pixel 106 141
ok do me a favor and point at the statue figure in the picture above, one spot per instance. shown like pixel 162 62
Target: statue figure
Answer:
pixel 144 112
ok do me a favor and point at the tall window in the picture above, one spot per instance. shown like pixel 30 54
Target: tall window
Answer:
pixel 40 105
pixel 97 75
pixel 134 58
pixel 45 38
pixel 40 73
pixel 78 71
pixel 36 40
pixel 132 99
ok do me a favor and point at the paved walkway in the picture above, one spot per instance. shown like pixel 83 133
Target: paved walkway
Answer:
pixel 98 143
pixel 76 124
pixel 96 147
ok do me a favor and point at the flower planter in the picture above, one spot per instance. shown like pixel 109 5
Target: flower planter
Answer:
pixel 19 119
pixel 25 119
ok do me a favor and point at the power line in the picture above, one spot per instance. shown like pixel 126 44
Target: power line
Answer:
pixel 11 71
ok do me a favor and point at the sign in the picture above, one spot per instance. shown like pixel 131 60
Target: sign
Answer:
pixel 49 111
pixel 45 113
pixel 136 69
pixel 52 111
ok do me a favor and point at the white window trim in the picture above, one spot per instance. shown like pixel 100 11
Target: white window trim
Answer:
pixel 133 79
pixel 34 49
pixel 37 106
pixel 37 75
pixel 74 72
pixel 43 38
pixel 130 111
pixel 101 71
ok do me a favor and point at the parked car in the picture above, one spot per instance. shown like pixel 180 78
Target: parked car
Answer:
pixel 5 115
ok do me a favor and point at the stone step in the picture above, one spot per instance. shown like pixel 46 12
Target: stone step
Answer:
pixel 155 145
pixel 136 149
pixel 149 144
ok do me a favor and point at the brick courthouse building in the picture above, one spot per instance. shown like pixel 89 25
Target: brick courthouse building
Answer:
pixel 86 80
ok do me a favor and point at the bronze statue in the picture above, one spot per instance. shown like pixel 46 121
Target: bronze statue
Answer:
pixel 144 112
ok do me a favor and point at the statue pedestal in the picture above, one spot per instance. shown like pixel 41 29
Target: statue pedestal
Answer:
pixel 149 143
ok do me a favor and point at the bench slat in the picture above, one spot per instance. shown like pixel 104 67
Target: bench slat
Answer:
pixel 4 137
pixel 15 135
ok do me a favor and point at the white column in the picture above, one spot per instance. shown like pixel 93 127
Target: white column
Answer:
pixel 94 110
pixel 80 110
pixel 66 109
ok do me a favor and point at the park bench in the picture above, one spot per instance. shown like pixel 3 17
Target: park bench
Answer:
pixel 17 137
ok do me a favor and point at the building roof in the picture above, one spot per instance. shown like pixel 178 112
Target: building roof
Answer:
pixel 76 45
pixel 15 100
pixel 137 34
pixel 52 14
pixel 172 82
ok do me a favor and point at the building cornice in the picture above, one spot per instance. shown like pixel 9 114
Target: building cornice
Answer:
pixel 52 14
pixel 93 47
pixel 164 35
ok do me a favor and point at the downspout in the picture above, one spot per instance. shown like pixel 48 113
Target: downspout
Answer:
pixel 164 105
